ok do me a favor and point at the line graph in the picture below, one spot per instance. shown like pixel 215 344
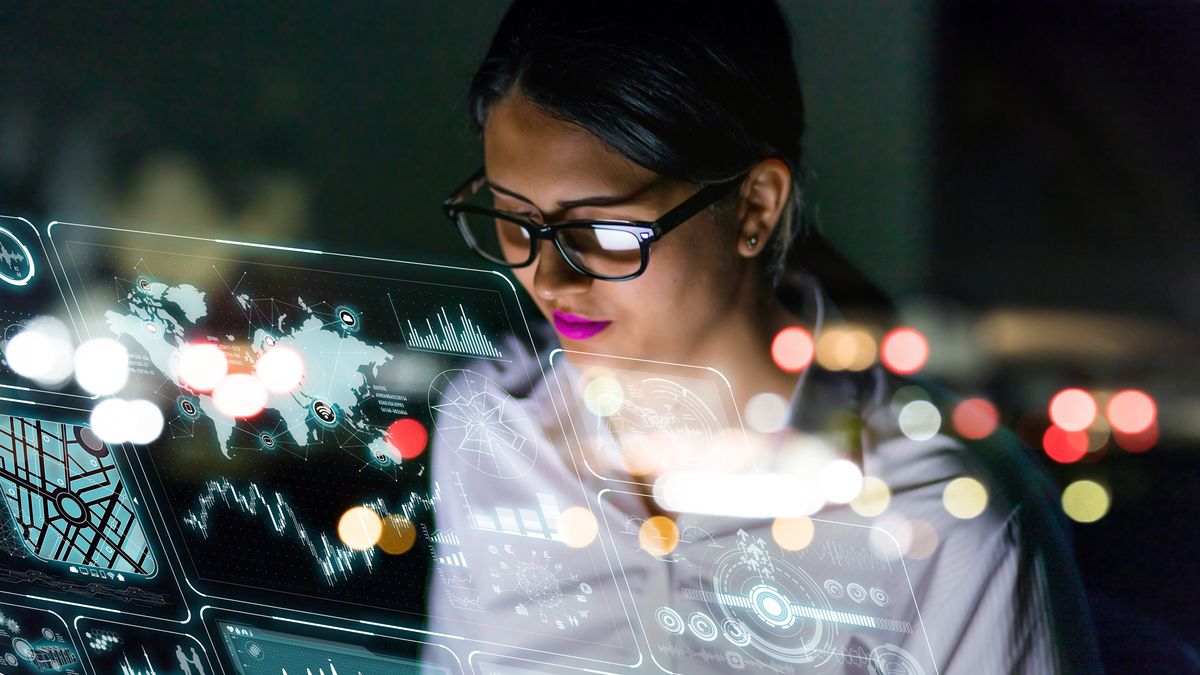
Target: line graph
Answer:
pixel 336 561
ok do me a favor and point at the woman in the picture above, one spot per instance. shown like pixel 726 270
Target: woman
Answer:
pixel 641 181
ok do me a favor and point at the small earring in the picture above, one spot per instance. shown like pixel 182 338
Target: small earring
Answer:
pixel 752 241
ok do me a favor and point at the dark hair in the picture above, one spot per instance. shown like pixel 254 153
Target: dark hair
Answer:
pixel 696 90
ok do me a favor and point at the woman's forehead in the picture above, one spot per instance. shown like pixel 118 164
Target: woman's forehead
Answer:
pixel 548 160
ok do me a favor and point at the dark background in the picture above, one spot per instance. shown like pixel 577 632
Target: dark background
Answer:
pixel 1023 177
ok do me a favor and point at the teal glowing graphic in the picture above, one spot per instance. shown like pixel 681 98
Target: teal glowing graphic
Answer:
pixel 67 498
pixel 337 365
pixel 16 262
pixel 255 651
pixel 466 338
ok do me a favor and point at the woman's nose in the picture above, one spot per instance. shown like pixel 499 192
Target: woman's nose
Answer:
pixel 554 277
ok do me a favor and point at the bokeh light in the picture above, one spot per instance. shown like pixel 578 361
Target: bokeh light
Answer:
pixel 658 536
pixel 604 396
pixel 145 422
pixel 873 499
pixel 202 366
pixel 904 351
pixel 793 534
pixel 792 349
pixel 767 412
pixel 1073 409
pixel 407 438
pixel 1139 442
pixel 398 535
pixel 1131 411
pixel 281 370
pixel 1085 501
pixel 1064 446
pixel 891 536
pixel 360 528
pixel 841 481
pixel 577 527
pixel 845 349
pixel 102 366
pixel 975 418
pixel 41 352
pixel 111 420
pixel 920 420
pixel 924 539
pixel 240 395
pixel 964 498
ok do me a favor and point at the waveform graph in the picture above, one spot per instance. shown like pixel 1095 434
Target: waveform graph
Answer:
pixel 456 334
pixel 274 512
pixel 335 560
pixel 482 424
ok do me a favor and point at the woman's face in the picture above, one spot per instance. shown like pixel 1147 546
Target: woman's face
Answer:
pixel 694 276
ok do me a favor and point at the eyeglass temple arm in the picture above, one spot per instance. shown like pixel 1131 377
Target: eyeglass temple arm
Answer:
pixel 457 195
pixel 694 204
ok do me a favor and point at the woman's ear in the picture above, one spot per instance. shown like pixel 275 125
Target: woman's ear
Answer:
pixel 762 198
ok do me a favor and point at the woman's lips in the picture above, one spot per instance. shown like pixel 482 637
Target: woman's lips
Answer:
pixel 577 327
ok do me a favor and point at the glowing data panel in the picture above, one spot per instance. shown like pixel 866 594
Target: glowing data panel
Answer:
pixel 300 390
pixel 736 600
pixel 35 641
pixel 73 527
pixel 637 420
pixel 459 336
pixel 254 650
pixel 67 500
pixel 128 649
pixel 37 339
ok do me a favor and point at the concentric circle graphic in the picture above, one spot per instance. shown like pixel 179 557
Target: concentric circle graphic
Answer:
pixel 880 597
pixel 669 620
pixel 702 626
pixel 777 604
pixel 735 631
pixel 893 660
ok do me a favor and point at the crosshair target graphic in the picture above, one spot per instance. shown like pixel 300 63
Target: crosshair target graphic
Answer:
pixel 480 421
pixel 775 608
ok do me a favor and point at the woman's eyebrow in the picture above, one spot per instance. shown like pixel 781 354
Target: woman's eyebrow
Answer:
pixel 575 203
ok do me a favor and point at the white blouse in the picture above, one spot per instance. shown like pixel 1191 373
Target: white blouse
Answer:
pixel 912 589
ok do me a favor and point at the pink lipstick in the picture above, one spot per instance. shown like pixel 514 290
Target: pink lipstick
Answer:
pixel 577 327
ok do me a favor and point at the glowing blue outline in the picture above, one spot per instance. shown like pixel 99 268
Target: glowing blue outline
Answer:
pixel 28 256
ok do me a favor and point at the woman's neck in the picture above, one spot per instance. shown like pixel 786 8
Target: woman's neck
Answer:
pixel 740 348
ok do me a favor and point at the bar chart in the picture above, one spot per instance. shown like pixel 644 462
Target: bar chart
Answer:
pixel 466 338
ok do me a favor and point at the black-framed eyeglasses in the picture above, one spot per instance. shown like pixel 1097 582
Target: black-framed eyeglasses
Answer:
pixel 612 250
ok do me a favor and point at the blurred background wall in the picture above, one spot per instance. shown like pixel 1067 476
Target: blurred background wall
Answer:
pixel 1023 177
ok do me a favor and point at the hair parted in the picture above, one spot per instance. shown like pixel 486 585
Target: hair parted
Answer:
pixel 695 90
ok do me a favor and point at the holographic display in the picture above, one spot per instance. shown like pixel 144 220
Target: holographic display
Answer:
pixel 635 419
pixel 842 603
pixel 253 644
pixel 35 641
pixel 128 649
pixel 29 291
pixel 73 526
pixel 67 499
pixel 308 493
